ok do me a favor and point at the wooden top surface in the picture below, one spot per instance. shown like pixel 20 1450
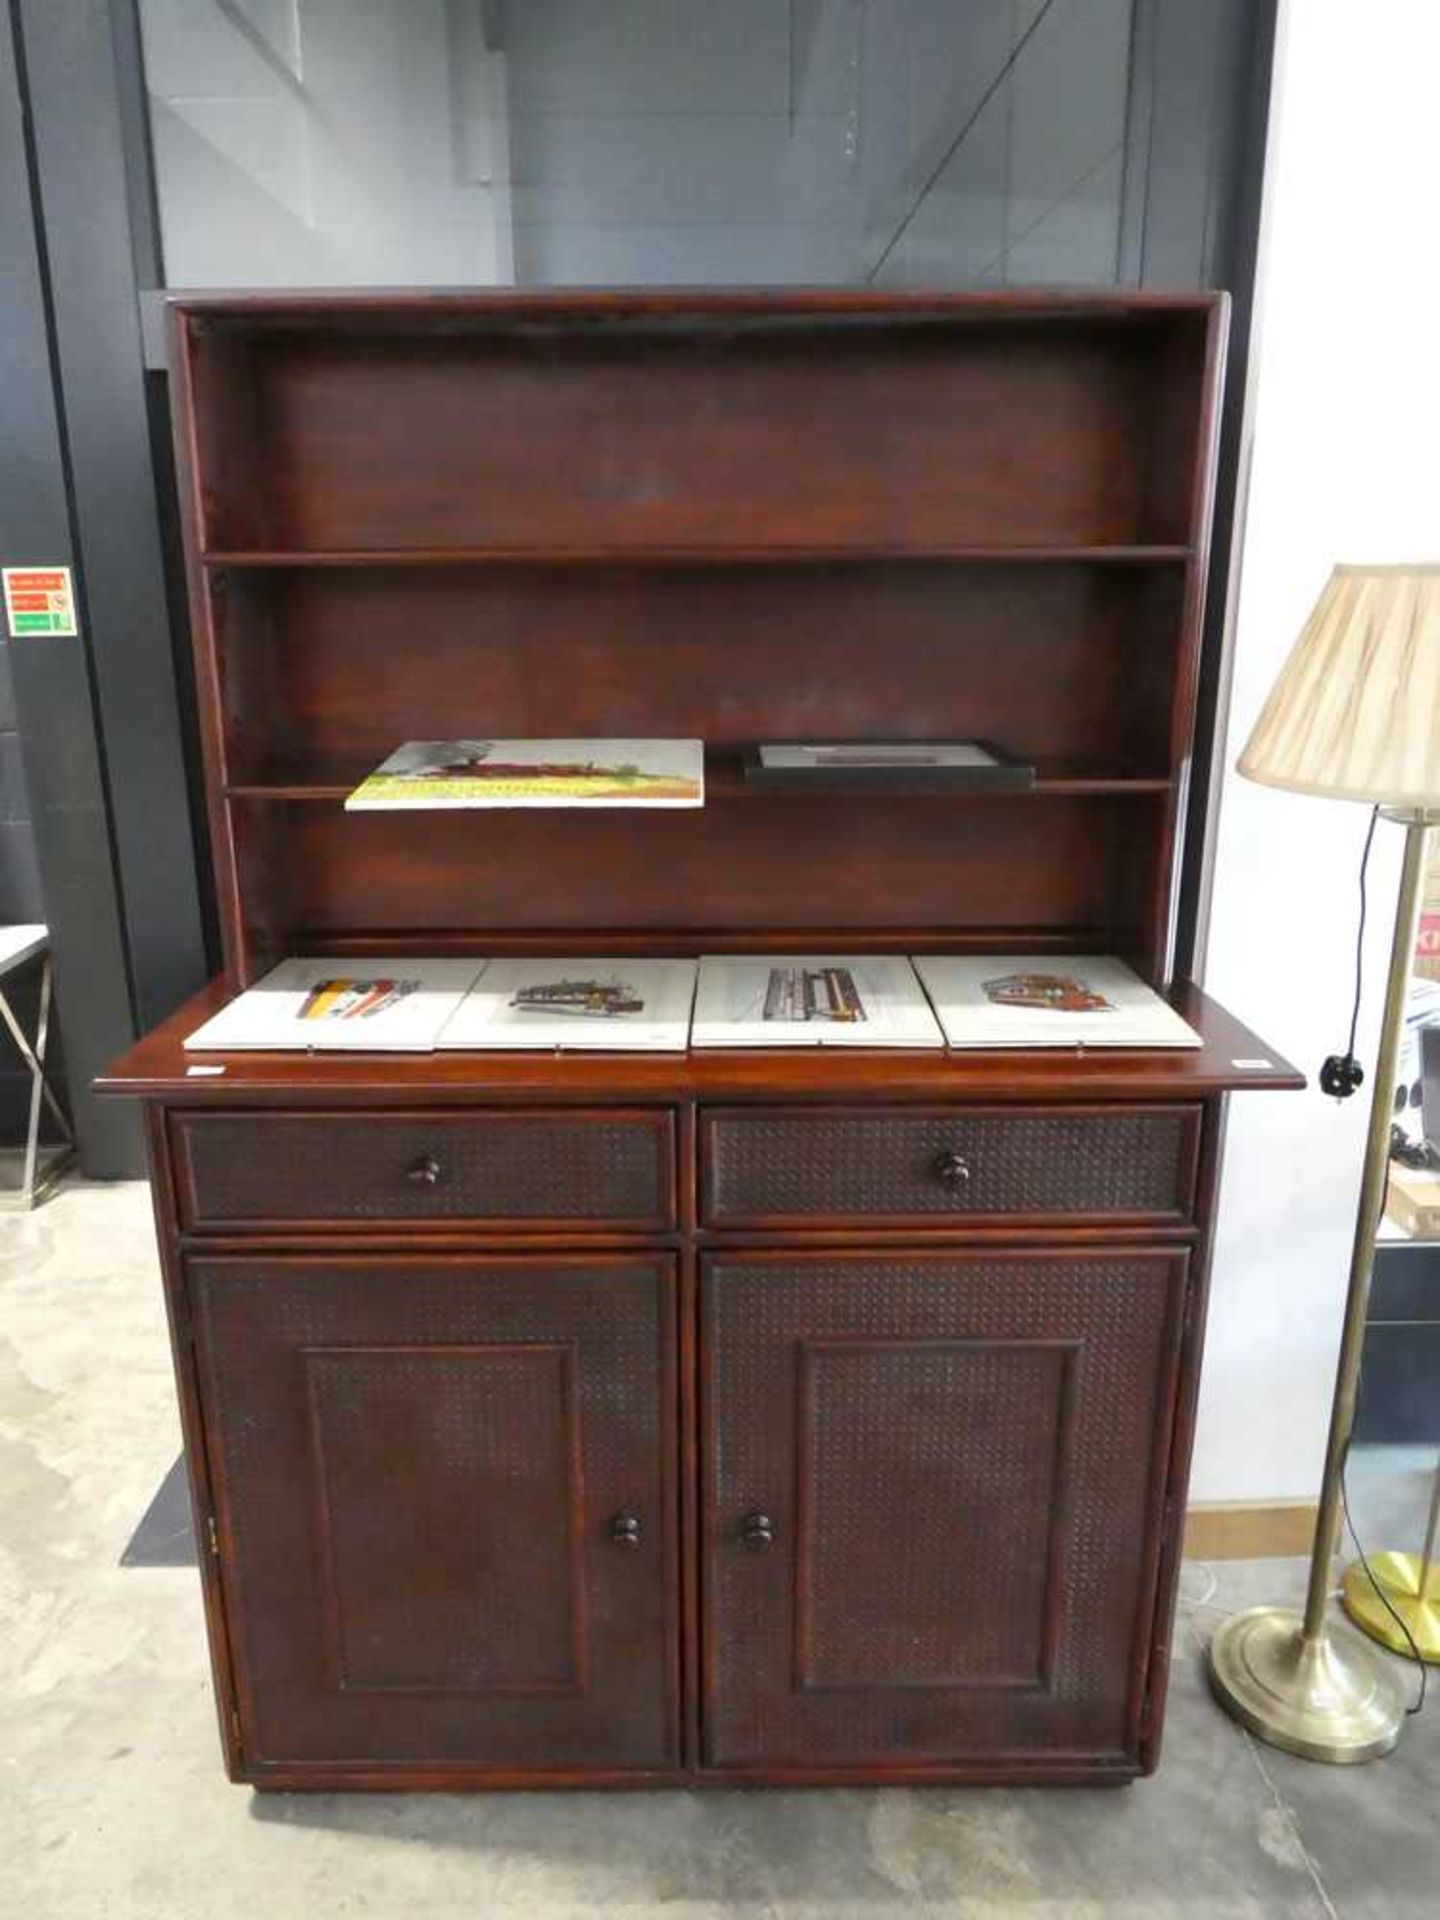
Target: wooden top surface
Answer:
pixel 434 306
pixel 1232 1057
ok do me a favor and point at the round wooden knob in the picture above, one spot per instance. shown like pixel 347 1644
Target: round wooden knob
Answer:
pixel 757 1530
pixel 625 1530
pixel 951 1169
pixel 424 1172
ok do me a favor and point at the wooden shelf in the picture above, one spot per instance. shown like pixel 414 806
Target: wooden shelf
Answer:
pixel 996 531
pixel 260 559
pixel 725 781
pixel 158 1066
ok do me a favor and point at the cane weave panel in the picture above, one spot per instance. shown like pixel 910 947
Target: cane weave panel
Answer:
pixel 1118 1315
pixel 264 1326
pixel 489 1167
pixel 437 1574
pixel 788 1165
pixel 925 1559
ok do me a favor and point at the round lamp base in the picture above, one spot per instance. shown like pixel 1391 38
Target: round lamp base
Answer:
pixel 1331 1698
pixel 1398 1577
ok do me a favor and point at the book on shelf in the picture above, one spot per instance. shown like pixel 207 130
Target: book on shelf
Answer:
pixel 974 765
pixel 600 1003
pixel 382 1004
pixel 811 1000
pixel 535 773
pixel 1048 1000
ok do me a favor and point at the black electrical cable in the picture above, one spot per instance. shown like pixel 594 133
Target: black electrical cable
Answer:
pixel 1342 1074
pixel 1360 930
pixel 1418 1704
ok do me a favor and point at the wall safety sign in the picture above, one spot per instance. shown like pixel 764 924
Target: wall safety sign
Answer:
pixel 39 600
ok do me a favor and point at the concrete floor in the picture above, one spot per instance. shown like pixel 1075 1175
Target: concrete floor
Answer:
pixel 113 1806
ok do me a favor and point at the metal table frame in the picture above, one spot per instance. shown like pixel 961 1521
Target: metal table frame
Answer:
pixel 41 1168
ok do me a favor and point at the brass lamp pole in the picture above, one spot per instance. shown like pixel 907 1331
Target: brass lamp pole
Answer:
pixel 1355 715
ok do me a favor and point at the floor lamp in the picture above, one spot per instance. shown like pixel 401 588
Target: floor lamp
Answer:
pixel 1354 715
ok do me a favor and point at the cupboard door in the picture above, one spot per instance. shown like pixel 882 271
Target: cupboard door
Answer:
pixel 444 1496
pixel 933 1493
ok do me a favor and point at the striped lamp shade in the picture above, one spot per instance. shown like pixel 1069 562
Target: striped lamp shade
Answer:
pixel 1355 713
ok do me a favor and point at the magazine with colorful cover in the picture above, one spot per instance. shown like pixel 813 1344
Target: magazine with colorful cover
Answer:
pixel 606 1003
pixel 811 1000
pixel 536 773
pixel 387 1004
pixel 1048 1000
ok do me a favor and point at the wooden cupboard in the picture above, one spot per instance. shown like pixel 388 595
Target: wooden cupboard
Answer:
pixel 923 1473
pixel 790 1416
pixel 447 1530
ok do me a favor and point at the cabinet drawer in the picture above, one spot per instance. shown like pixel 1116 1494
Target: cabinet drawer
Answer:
pixel 797 1166
pixel 611 1168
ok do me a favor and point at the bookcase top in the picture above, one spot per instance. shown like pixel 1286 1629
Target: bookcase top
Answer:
pixel 735 516
pixel 436 306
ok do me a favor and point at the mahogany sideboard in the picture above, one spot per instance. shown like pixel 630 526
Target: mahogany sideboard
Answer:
pixel 645 1421
pixel 807 1417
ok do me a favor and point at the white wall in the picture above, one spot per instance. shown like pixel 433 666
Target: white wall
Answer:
pixel 1346 467
pixel 334 143
pixel 678 140
pixel 400 142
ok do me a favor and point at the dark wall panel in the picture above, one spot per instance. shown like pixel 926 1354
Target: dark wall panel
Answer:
pixel 51 677
pixel 84 203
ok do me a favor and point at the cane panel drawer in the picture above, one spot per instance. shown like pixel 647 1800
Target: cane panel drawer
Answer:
pixel 780 1166
pixel 513 1169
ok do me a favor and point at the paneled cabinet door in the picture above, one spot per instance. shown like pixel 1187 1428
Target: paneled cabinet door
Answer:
pixel 933 1484
pixel 445 1507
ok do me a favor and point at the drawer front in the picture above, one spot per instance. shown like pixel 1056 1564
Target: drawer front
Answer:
pixel 609 1168
pixel 770 1167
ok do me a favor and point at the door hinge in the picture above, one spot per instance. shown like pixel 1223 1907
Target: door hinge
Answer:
pixel 1192 1310
pixel 1172 1523
pixel 212 1535
pixel 235 1726
pixel 1147 1711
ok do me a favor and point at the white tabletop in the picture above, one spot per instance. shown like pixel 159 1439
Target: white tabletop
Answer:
pixel 19 944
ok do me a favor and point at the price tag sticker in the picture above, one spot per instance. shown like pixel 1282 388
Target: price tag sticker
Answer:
pixel 39 600
pixel 1252 1066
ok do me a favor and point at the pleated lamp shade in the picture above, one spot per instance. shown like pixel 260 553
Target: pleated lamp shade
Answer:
pixel 1355 713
